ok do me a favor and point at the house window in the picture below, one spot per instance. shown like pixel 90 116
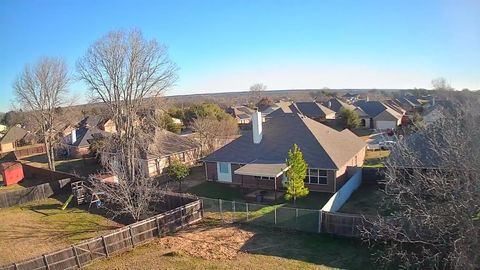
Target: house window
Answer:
pixel 224 167
pixel 316 177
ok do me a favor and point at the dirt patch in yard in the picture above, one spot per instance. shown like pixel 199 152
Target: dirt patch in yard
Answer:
pixel 215 243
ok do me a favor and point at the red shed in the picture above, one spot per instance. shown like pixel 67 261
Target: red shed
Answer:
pixel 12 172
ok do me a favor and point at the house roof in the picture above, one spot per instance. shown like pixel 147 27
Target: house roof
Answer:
pixel 241 112
pixel 168 143
pixel 421 153
pixel 13 134
pixel 86 134
pixel 372 108
pixel 349 95
pixel 92 121
pixel 262 168
pixel 313 109
pixel 322 146
pixel 336 105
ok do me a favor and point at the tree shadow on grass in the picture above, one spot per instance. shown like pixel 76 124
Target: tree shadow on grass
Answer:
pixel 314 248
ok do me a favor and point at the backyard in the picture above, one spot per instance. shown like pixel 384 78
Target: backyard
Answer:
pixel 80 166
pixel 374 159
pixel 211 245
pixel 365 200
pixel 213 190
pixel 38 227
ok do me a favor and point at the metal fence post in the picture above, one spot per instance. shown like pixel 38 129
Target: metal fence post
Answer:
pixel 296 218
pixel 234 211
pixel 220 208
pixel 246 206
pixel 275 214
pixel 320 212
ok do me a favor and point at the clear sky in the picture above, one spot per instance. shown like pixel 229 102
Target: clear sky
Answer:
pixel 229 45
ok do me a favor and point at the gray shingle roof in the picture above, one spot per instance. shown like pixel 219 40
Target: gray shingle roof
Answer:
pixel 313 109
pixel 168 143
pixel 13 134
pixel 336 105
pixel 372 108
pixel 322 147
pixel 85 134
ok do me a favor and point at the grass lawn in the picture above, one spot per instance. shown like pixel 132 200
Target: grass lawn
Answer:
pixel 314 200
pixel 217 191
pixel 35 228
pixel 211 245
pixel 363 133
pixel 365 200
pixel 374 159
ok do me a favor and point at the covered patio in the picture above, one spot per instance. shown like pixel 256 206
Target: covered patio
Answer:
pixel 262 175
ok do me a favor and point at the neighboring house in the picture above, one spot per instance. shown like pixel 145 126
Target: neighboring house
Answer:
pixel 12 139
pixel 315 110
pixel 242 114
pixel 168 148
pixel 97 121
pixel 336 105
pixel 436 111
pixel 257 160
pixel 77 143
pixel 408 103
pixel 381 116
pixel 351 97
pixel 77 138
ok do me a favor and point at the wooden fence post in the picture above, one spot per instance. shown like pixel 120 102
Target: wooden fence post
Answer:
pixel 320 212
pixel 105 246
pixel 131 235
pixel 158 227
pixel 46 261
pixel 77 259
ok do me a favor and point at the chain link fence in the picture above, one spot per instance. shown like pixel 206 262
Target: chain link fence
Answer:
pixel 307 220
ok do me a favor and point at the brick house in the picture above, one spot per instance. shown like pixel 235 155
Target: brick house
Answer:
pixel 257 159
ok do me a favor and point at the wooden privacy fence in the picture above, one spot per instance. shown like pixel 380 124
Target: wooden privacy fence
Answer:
pixel 38 192
pixel 123 239
pixel 34 150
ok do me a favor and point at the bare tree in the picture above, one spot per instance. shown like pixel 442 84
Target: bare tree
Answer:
pixel 256 90
pixel 214 133
pixel 123 70
pixel 134 199
pixel 441 84
pixel 42 89
pixel 432 190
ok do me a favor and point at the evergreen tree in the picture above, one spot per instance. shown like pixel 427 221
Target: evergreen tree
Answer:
pixel 178 171
pixel 296 174
pixel 349 118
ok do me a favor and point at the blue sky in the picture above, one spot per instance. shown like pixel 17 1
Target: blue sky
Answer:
pixel 229 45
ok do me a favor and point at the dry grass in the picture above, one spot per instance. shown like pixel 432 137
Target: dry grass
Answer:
pixel 210 245
pixel 35 228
